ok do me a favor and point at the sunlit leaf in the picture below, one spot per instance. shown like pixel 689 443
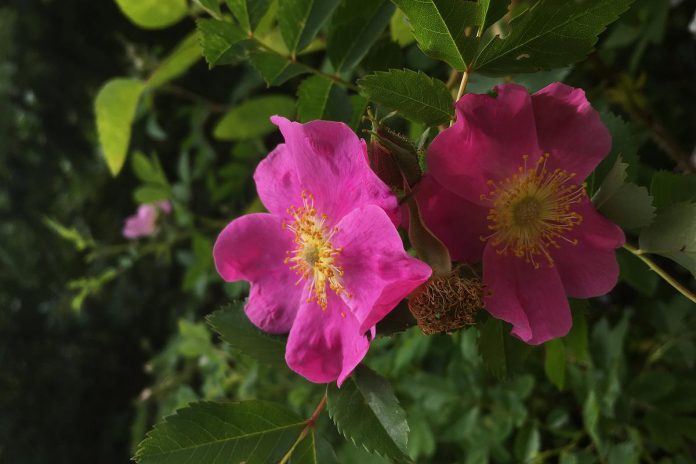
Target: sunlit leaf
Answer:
pixel 115 107
pixel 252 118
pixel 154 14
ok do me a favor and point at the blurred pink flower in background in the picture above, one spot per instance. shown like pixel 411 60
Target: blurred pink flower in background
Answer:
pixel 144 222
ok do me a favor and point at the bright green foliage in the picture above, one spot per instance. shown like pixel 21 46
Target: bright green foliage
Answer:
pixel 413 94
pixel 185 55
pixel 212 6
pixel 624 203
pixel 555 362
pixel 155 185
pixel 248 12
pixel 255 432
pixel 673 235
pixel 400 29
pixel 354 28
pixel 252 118
pixel 502 354
pixel 445 29
pixel 300 20
pixel 274 68
pixel 220 41
pixel 366 411
pixel 668 188
pixel 154 14
pixel 115 107
pixel 550 34
pixel 235 329
pixel 321 98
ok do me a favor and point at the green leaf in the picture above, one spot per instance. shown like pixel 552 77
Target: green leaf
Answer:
pixel 236 330
pixel 577 341
pixel 314 450
pixel 154 14
pixel 668 188
pixel 354 28
pixel 550 34
pixel 254 432
pixel 527 443
pixel 220 41
pixel 626 204
pixel 359 105
pixel 400 29
pixel 320 98
pixel 636 274
pixel 413 94
pixel 366 411
pixel 252 118
pixel 248 12
pixel 148 170
pixel 275 69
pixel 150 194
pixel 590 416
pixel 212 6
pixel 502 354
pixel 185 55
pixel 673 235
pixel 445 29
pixel 300 21
pixel 555 362
pixel 626 139
pixel 115 107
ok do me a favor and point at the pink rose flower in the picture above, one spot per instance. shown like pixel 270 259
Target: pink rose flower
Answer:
pixel 326 263
pixel 506 183
pixel 144 222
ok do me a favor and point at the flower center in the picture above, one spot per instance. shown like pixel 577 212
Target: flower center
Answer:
pixel 532 211
pixel 314 257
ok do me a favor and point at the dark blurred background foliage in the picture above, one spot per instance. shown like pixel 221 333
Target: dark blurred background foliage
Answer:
pixel 99 338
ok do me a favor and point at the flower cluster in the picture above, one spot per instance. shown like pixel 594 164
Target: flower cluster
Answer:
pixel 504 187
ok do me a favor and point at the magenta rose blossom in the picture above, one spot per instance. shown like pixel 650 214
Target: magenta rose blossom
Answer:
pixel 326 263
pixel 144 222
pixel 506 183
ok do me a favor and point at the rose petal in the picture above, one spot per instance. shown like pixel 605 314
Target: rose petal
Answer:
pixel 325 345
pixel 532 300
pixel 277 183
pixel 253 248
pixel 378 273
pixel 569 129
pixel 589 268
pixel 459 223
pixel 331 164
pixel 487 141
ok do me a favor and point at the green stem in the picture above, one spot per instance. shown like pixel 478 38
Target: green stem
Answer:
pixel 640 254
pixel 305 431
pixel 310 69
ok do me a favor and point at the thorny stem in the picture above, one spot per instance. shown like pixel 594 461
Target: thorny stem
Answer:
pixel 305 431
pixel 661 272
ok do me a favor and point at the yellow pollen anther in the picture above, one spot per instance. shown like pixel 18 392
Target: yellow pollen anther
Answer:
pixel 314 257
pixel 531 211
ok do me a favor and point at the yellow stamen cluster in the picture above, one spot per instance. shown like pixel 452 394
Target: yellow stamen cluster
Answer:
pixel 532 211
pixel 314 257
